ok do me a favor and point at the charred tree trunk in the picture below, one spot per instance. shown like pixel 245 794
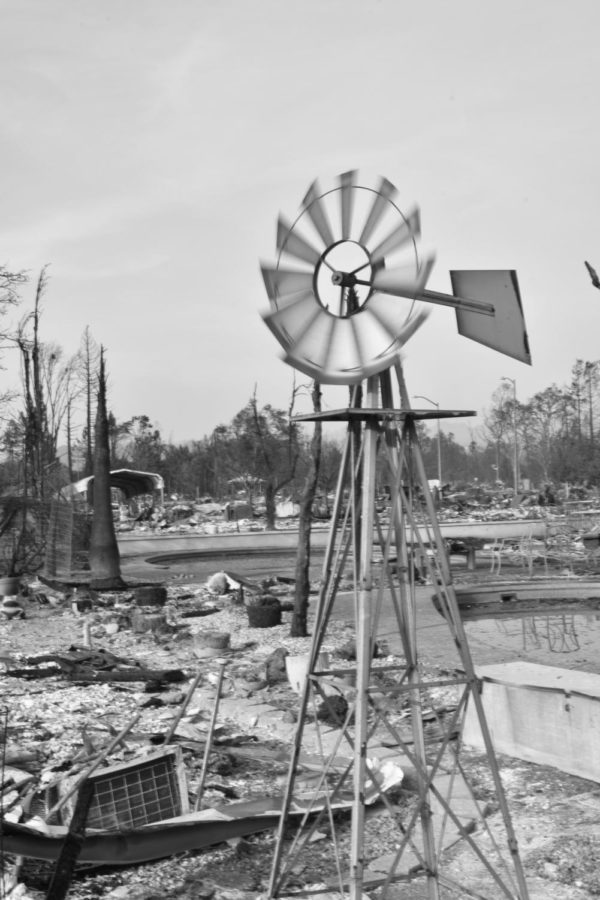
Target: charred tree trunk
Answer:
pixel 39 405
pixel 89 355
pixel 302 585
pixel 89 454
pixel 270 505
pixel 70 444
pixel 105 562
pixel 273 483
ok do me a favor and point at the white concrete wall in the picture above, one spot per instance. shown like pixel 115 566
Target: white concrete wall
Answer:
pixel 542 714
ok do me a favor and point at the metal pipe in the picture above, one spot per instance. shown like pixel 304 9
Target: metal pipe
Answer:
pixel 486 309
pixel 209 739
pixel 182 708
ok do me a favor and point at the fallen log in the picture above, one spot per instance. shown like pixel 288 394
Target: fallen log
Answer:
pixel 82 675
pixel 157 676
pixel 98 658
pixel 85 666
pixel 21 759
pixel 27 673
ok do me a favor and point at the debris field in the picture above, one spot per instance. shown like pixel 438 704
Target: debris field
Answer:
pixel 107 686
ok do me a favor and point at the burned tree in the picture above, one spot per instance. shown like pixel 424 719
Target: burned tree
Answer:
pixel 88 367
pixel 261 446
pixel 105 562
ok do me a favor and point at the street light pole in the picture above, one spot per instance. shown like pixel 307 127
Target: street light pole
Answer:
pixel 590 371
pixel 515 435
pixel 439 442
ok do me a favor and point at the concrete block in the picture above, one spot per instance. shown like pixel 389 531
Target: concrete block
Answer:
pixel 542 714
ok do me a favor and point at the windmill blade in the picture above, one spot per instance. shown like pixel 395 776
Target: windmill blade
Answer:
pixel 385 192
pixel 289 241
pixel 315 344
pixel 290 323
pixel 336 350
pixel 407 231
pixel 361 355
pixel 291 300
pixel 343 376
pixel 413 325
pixel 375 337
pixel 328 350
pixel 323 376
pixel 343 364
pixel 354 357
pixel 391 314
pixel 405 331
pixel 317 214
pixel 385 343
pixel 282 282
pixel 344 354
pixel 347 201
pixel 401 281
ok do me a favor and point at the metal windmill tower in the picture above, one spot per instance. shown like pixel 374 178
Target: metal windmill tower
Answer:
pixel 342 314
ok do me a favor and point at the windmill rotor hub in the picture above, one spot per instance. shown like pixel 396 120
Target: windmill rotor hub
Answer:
pixel 343 279
pixel 337 274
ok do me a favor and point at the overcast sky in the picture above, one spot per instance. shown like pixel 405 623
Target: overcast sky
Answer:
pixel 148 146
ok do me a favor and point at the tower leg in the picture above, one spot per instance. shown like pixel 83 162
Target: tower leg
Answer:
pixel 364 649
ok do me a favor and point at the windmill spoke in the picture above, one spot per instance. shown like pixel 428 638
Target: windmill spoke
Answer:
pixel 360 268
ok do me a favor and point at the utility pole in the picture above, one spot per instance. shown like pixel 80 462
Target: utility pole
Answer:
pixel 515 435
pixel 439 439
pixel 590 371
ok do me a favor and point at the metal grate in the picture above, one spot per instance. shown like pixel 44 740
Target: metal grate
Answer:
pixel 138 793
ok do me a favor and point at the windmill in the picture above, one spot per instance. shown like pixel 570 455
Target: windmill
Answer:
pixel 347 291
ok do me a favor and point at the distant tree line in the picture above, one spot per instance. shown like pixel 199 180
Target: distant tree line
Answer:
pixel 47 434
pixel 555 433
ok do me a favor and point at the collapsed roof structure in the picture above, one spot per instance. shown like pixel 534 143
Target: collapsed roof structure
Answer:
pixel 131 482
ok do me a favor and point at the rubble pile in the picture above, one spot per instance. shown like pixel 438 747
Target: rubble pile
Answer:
pixel 92 685
pixel 192 518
